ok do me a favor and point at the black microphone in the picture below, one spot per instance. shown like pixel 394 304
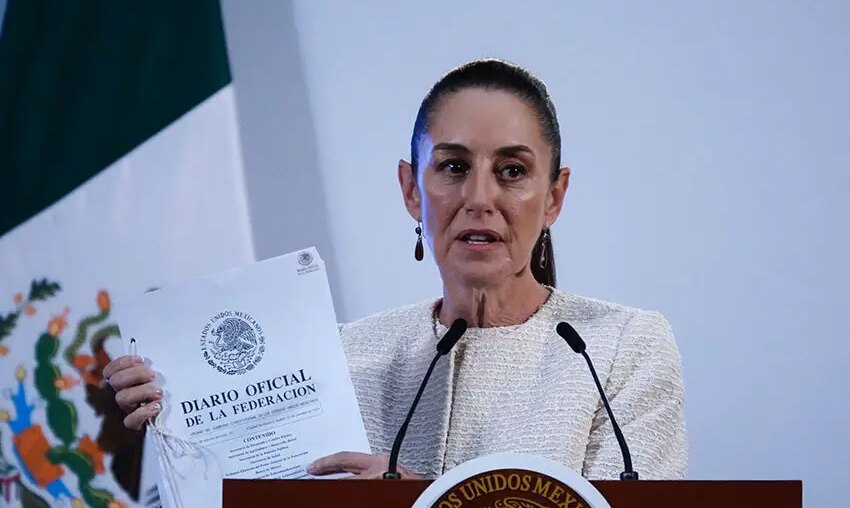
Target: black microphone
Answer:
pixel 572 337
pixel 445 345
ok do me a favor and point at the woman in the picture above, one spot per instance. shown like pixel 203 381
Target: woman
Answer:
pixel 485 184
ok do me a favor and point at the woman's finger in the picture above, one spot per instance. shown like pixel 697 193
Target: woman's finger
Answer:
pixel 407 474
pixel 342 462
pixel 368 475
pixel 136 420
pixel 132 376
pixel 121 363
pixel 129 399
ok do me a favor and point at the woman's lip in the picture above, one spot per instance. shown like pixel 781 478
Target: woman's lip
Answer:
pixel 479 246
pixel 479 232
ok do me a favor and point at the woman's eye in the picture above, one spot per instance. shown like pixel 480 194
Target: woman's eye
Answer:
pixel 454 167
pixel 512 172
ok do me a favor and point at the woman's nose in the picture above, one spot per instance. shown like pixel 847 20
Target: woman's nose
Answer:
pixel 479 192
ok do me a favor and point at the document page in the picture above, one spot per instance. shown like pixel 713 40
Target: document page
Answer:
pixel 255 379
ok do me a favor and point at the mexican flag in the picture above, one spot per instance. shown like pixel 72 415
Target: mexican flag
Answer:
pixel 119 172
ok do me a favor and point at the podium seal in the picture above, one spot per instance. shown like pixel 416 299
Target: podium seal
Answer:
pixel 508 480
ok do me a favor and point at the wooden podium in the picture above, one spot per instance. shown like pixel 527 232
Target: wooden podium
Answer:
pixel 403 493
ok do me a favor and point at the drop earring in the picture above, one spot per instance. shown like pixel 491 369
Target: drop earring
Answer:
pixel 419 251
pixel 543 241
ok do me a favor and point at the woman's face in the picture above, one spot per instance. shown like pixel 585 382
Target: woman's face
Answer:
pixel 483 190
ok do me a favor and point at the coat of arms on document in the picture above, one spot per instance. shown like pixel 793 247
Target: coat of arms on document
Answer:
pixel 233 342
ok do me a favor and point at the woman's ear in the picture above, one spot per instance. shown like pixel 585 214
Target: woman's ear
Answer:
pixel 556 195
pixel 410 190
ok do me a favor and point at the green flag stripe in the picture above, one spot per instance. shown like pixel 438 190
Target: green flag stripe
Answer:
pixel 83 82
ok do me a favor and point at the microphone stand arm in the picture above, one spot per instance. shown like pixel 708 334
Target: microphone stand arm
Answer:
pixel 392 469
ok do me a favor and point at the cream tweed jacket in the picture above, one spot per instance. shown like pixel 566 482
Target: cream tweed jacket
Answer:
pixel 522 389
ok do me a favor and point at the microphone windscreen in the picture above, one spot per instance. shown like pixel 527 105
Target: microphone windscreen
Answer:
pixel 572 337
pixel 451 337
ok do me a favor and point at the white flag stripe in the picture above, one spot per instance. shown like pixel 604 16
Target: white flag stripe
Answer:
pixel 172 209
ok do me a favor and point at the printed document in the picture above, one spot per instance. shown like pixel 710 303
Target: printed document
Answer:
pixel 255 379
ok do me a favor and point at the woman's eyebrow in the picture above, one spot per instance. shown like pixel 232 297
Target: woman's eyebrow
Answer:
pixel 505 151
pixel 451 147
pixel 514 150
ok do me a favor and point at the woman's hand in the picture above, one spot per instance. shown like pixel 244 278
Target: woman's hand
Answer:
pixel 364 466
pixel 133 382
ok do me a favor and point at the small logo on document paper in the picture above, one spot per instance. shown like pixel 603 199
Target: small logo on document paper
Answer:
pixel 233 342
pixel 305 259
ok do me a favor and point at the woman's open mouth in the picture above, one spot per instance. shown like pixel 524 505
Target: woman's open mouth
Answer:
pixel 479 238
